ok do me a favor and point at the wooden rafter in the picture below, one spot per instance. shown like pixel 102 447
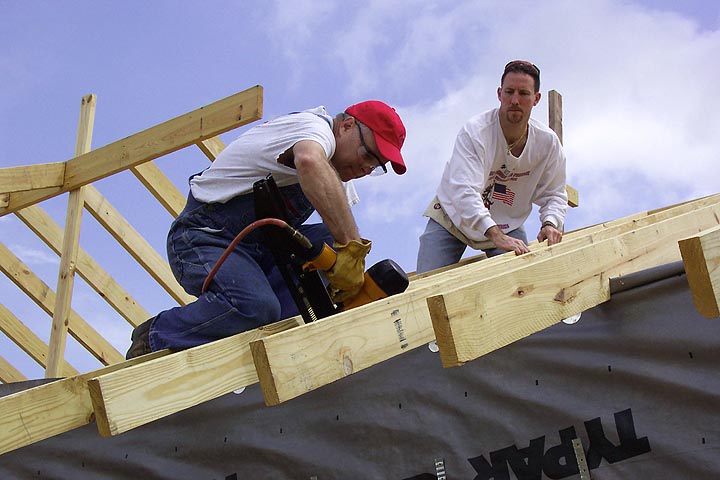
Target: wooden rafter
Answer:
pixel 51 409
pixel 297 361
pixel 44 297
pixel 101 281
pixel 486 315
pixel 131 397
pixel 134 243
pixel 701 256
pixel 170 136
pixel 24 338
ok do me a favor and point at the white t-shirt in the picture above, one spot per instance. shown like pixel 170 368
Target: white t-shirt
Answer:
pixel 259 151
pixel 483 185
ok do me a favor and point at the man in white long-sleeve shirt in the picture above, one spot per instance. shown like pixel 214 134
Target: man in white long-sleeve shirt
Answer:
pixel 502 163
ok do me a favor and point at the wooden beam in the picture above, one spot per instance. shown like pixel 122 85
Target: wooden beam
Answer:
pixel 211 147
pixel 70 248
pixel 573 196
pixel 53 408
pixel 30 177
pixel 701 256
pixel 141 394
pixel 161 187
pixel 8 373
pixel 100 280
pixel 297 361
pixel 134 244
pixel 484 316
pixel 65 283
pixel 555 120
pixel 555 113
pixel 26 339
pixel 44 297
pixel 205 122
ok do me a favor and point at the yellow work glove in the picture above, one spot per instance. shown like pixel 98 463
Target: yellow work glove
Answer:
pixel 347 276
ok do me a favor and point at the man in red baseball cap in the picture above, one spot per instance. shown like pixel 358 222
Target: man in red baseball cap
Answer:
pixel 313 157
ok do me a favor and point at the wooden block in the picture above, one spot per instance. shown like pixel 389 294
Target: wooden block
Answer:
pixel 483 316
pixel 131 397
pixel 573 196
pixel 51 409
pixel 18 179
pixel 701 256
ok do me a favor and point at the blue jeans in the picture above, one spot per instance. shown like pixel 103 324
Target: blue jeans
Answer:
pixel 439 248
pixel 247 291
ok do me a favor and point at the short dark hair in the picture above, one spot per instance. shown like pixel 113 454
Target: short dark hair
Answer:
pixel 522 66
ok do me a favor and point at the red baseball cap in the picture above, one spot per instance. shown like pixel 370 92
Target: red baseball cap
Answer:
pixel 387 128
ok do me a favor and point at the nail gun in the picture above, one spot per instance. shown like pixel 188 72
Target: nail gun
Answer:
pixel 300 261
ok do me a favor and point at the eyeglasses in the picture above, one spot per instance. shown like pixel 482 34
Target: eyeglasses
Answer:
pixel 532 66
pixel 375 171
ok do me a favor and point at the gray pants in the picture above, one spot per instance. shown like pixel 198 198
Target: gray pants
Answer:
pixel 439 248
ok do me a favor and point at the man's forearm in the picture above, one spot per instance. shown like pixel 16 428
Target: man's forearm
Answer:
pixel 323 188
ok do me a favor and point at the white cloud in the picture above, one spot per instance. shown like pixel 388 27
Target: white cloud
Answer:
pixel 33 256
pixel 638 93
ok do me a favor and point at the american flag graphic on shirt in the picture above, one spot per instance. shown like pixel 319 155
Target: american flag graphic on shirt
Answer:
pixel 503 193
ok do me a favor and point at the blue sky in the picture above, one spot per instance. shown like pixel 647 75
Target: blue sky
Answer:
pixel 638 80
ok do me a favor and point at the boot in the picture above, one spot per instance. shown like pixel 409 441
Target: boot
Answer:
pixel 140 340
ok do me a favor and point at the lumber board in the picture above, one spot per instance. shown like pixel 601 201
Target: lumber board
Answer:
pixel 160 187
pixel 100 280
pixel 573 196
pixel 65 284
pixel 53 408
pixel 30 177
pixel 134 243
pixel 70 247
pixel 8 373
pixel 489 314
pixel 30 343
pixel 206 122
pixel 701 257
pixel 292 363
pixel 128 398
pixel 44 297
pixel 211 147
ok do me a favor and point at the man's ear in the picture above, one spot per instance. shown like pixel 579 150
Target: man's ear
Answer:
pixel 498 92
pixel 538 95
pixel 347 124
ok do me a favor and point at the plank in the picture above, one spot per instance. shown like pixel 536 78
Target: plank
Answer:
pixel 701 257
pixel 300 360
pixel 44 297
pixel 555 118
pixel 134 243
pixel 70 247
pixel 160 187
pixel 96 276
pixel 26 339
pixel 8 373
pixel 489 314
pixel 211 147
pixel 53 408
pixel 206 122
pixel 134 396
pixel 65 284
pixel 18 179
